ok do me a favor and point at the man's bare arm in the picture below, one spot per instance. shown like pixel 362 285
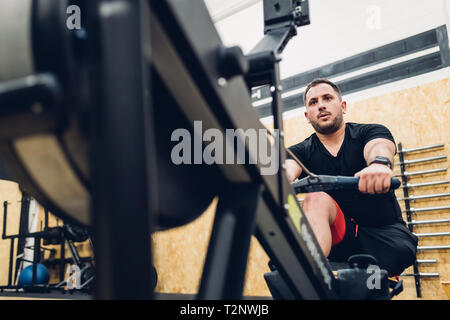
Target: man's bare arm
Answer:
pixel 293 170
pixel 379 147
pixel 376 178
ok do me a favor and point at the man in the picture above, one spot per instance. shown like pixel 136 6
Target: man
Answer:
pixel 364 221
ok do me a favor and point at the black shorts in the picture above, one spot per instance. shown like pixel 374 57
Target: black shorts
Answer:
pixel 394 246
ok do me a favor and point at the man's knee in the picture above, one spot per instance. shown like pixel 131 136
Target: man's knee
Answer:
pixel 320 203
pixel 317 198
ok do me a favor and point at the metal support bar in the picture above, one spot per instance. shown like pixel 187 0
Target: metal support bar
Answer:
pixel 122 148
pixel 414 210
pixel 425 196
pixel 11 255
pixel 433 146
pixel 264 59
pixel 5 213
pixel 422 275
pixel 62 260
pixel 277 111
pixel 423 248
pixel 275 40
pixel 421 261
pixel 36 258
pixel 404 178
pixel 73 251
pixel 409 162
pixel 415 222
pixel 425 184
pixel 226 261
pixel 417 173
pixel 432 234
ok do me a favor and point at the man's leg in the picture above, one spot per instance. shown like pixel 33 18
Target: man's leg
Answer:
pixel 394 246
pixel 320 210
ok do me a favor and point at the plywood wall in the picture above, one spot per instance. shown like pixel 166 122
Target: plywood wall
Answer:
pixel 9 191
pixel 417 116
pixel 179 256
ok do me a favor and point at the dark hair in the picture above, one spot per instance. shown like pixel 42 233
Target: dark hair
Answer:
pixel 317 81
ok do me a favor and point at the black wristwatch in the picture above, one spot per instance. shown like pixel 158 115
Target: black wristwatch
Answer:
pixel 382 160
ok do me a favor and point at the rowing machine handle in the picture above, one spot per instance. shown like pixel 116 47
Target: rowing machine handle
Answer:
pixel 330 183
pixel 352 182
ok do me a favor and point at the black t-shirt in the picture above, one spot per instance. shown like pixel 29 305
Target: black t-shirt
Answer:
pixel 365 209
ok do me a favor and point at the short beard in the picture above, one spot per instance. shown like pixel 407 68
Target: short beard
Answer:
pixel 331 128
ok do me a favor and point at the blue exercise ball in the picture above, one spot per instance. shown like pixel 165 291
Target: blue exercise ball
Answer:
pixel 26 276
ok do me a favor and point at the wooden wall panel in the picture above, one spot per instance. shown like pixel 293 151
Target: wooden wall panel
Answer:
pixel 9 191
pixel 179 255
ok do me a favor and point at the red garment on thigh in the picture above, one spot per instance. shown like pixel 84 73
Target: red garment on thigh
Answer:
pixel 338 226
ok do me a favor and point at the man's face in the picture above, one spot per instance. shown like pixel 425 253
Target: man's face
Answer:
pixel 324 109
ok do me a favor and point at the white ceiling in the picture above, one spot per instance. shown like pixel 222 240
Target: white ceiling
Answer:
pixel 221 9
